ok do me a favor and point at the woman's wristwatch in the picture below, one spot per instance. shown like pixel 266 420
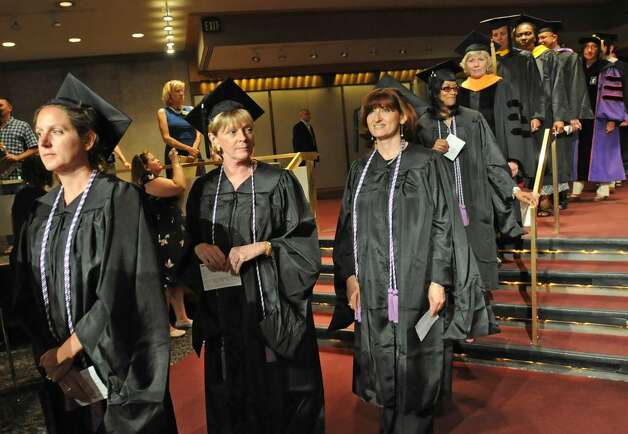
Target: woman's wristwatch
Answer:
pixel 268 249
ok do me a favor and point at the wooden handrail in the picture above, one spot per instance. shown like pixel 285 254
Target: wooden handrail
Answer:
pixel 538 181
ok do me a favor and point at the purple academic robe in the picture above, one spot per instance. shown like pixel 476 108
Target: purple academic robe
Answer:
pixel 606 162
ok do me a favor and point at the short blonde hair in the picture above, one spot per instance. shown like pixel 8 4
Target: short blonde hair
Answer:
pixel 169 88
pixel 484 54
pixel 229 119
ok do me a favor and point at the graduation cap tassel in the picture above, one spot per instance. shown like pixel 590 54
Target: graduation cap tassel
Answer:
pixel 208 151
pixel 494 57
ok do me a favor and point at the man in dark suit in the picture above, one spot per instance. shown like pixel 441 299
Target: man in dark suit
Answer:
pixel 303 137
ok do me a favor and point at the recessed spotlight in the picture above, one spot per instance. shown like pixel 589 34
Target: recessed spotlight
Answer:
pixel 168 28
pixel 74 40
pixel 167 18
pixel 170 44
pixel 402 51
pixel 373 51
pixel 169 37
pixel 65 4
pixel 344 54
pixel 170 51
pixel 8 44
pixel 137 35
pixel 256 59
pixel 314 56
pixel 282 57
pixel 56 24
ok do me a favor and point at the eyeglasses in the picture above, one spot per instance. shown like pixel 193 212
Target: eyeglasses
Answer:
pixel 450 89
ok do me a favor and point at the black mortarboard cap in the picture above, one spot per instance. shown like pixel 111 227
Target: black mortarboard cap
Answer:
pixel 608 38
pixel 586 39
pixel 111 123
pixel 497 22
pixel 228 96
pixel 444 71
pixel 387 81
pixel 475 41
pixel 553 26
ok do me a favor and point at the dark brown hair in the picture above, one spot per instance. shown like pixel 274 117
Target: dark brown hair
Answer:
pixel 84 119
pixel 391 99
pixel 138 168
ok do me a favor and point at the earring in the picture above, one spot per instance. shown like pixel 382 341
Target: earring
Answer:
pixel 401 131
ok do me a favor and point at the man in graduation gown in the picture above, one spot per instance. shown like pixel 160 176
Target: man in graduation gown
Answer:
pixel 114 306
pixel 557 110
pixel 598 158
pixel 262 368
pixel 574 83
pixel 522 96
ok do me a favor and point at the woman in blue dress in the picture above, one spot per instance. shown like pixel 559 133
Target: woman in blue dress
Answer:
pixel 175 131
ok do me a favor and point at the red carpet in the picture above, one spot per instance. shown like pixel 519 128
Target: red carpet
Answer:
pixel 583 219
pixel 487 400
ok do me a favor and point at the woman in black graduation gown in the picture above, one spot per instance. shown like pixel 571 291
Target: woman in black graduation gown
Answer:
pixel 88 281
pixel 394 252
pixel 262 369
pixel 479 174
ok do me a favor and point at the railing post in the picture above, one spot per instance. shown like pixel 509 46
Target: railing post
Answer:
pixel 538 181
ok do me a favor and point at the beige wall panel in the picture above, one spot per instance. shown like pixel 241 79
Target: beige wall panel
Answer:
pixel 263 127
pixel 325 104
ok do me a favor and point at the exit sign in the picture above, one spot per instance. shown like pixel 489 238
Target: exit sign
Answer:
pixel 211 25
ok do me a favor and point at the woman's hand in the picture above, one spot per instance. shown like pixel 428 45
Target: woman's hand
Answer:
pixel 193 152
pixel 72 386
pixel 353 292
pixel 174 156
pixel 436 297
pixel 241 254
pixel 527 197
pixel 441 145
pixel 211 256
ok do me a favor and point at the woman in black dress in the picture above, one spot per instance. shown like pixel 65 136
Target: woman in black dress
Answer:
pixel 262 369
pixel 87 280
pixel 169 226
pixel 400 253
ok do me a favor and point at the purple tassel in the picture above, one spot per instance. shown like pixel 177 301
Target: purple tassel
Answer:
pixel 393 305
pixel 464 214
pixel 358 314
pixel 270 355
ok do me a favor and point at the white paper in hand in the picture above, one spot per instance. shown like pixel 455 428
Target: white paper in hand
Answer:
pixel 92 384
pixel 526 212
pixel 424 325
pixel 213 280
pixel 455 146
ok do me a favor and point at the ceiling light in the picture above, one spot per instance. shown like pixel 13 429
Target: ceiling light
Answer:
pixel 137 35
pixel 344 54
pixel 169 37
pixel 402 51
pixel 170 44
pixel 65 4
pixel 373 51
pixel 256 59
pixel 74 40
pixel 170 51
pixel 8 44
pixel 167 18
pixel 282 57
pixel 168 28
pixel 314 56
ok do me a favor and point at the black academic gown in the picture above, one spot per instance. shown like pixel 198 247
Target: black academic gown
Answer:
pixel 244 393
pixel 118 308
pixel 574 83
pixel 482 101
pixel 556 109
pixel 518 100
pixel 392 368
pixel 487 185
